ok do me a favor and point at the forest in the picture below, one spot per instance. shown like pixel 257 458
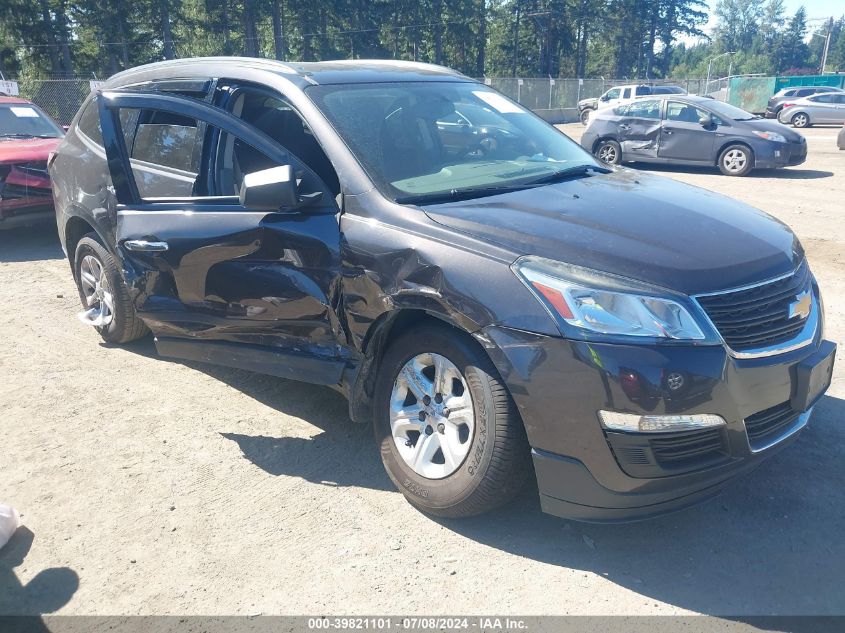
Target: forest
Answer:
pixel 493 38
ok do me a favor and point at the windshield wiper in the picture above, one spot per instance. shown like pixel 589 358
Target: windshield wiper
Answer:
pixel 481 192
pixel 16 135
pixel 457 194
pixel 569 172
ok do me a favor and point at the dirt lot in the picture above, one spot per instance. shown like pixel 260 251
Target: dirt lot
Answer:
pixel 150 486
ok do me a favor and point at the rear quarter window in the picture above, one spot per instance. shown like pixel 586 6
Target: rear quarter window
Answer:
pixel 89 122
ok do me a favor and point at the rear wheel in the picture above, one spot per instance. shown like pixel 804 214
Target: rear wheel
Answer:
pixel 585 116
pixel 449 433
pixel 609 152
pixel 736 160
pixel 105 301
pixel 800 119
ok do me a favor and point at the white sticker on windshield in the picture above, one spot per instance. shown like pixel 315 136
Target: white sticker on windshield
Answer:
pixel 24 112
pixel 498 102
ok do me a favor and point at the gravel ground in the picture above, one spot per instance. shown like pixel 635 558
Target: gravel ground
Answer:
pixel 156 487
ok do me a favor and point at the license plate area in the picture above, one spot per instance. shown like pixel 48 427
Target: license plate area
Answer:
pixel 813 376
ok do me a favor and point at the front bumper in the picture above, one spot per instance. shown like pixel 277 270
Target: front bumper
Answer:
pixel 17 213
pixel 587 473
pixel 775 155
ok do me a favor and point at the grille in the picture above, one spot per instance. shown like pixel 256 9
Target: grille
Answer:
pixel 644 455
pixel 687 447
pixel 758 317
pixel 36 168
pixel 768 424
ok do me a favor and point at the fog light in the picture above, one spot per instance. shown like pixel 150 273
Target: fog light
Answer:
pixel 613 421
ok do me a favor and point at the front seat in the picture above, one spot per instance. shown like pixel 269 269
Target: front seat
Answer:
pixel 287 128
pixel 410 140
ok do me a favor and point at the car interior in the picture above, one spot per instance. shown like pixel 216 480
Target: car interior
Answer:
pixel 683 113
pixel 278 120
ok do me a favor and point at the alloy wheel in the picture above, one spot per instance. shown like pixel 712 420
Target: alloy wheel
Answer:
pixel 799 120
pixel 607 154
pixel 99 301
pixel 735 160
pixel 432 419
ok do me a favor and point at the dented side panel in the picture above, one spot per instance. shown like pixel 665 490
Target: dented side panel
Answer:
pixel 639 137
pixel 237 276
pixel 396 257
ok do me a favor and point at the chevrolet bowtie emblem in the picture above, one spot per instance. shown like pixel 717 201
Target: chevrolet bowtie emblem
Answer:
pixel 801 306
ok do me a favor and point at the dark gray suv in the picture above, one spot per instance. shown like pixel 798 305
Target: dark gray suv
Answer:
pixel 484 305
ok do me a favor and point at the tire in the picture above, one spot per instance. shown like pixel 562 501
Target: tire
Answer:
pixel 490 453
pixel 800 119
pixel 585 116
pixel 609 152
pixel 736 160
pixel 98 279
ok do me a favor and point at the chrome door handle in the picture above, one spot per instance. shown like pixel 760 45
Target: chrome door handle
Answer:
pixel 143 246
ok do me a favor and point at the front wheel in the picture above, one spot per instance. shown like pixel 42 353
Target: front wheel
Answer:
pixel 609 152
pixel 585 116
pixel 736 160
pixel 449 433
pixel 800 119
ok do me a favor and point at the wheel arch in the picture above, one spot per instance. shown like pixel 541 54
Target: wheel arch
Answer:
pixel 385 329
pixel 727 144
pixel 805 113
pixel 76 228
pixel 602 138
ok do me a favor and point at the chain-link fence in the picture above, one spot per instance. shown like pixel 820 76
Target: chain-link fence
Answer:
pixel 60 98
pixel 555 98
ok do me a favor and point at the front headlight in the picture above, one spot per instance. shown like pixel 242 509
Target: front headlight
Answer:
pixel 596 308
pixel 770 136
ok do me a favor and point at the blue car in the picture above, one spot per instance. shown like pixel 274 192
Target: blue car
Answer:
pixel 690 130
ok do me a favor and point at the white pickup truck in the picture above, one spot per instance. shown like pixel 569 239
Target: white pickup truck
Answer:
pixel 622 94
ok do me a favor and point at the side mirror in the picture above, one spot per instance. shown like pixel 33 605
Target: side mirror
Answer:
pixel 706 121
pixel 271 189
pixel 604 98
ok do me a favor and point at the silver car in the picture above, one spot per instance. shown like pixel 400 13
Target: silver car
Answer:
pixel 828 107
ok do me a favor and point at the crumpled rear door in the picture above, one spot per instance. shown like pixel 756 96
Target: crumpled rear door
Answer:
pixel 640 129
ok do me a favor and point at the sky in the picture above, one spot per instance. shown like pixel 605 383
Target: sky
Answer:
pixel 821 9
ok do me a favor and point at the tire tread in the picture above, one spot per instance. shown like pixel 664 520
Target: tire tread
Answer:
pixel 510 463
pixel 131 327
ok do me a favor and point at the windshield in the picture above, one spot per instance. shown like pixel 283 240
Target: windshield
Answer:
pixel 23 120
pixel 402 136
pixel 727 111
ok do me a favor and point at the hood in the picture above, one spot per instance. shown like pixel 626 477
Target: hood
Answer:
pixel 590 101
pixel 25 150
pixel 639 226
pixel 769 125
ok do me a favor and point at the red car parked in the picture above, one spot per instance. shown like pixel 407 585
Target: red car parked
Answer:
pixel 27 136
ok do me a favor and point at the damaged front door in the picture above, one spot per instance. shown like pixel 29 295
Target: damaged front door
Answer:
pixel 219 274
pixel 639 129
pixel 688 133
